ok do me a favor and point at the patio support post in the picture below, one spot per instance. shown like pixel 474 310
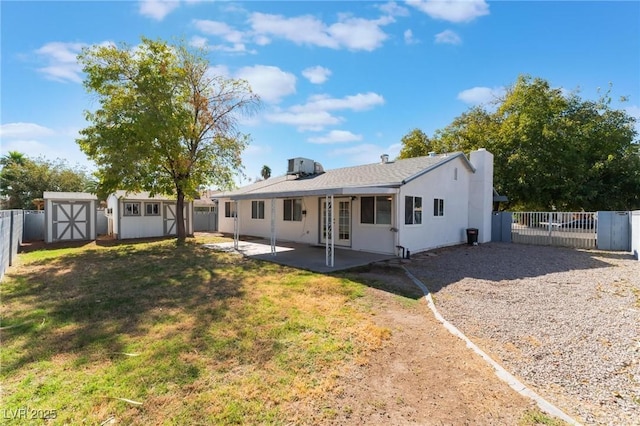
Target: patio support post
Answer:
pixel 273 227
pixel 329 240
pixel 236 226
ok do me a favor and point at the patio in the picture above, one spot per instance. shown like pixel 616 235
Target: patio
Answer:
pixel 303 256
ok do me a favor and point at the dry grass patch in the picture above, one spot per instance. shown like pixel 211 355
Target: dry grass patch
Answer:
pixel 196 337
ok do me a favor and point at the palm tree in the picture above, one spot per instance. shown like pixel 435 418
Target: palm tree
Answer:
pixel 13 157
pixel 265 172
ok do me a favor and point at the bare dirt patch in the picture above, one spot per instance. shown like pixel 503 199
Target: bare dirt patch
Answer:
pixel 423 375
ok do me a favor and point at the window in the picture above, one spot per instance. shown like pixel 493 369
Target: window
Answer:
pixel 412 210
pixel 230 209
pixel 293 210
pixel 257 210
pixel 132 209
pixel 376 210
pixel 152 209
pixel 438 207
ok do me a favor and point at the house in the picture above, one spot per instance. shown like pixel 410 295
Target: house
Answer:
pixel 391 207
pixel 69 216
pixel 138 215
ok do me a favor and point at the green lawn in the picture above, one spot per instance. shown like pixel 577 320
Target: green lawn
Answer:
pixel 154 333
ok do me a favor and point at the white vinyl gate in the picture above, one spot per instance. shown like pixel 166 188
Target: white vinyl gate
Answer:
pixel 565 229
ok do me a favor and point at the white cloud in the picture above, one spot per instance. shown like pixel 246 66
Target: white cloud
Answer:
pixel 62 61
pixel 24 131
pixel 359 102
pixel 480 95
pixel 336 136
pixel 452 10
pixel 199 42
pixel 349 32
pixel 309 120
pixel 359 33
pixel 408 37
pixel 234 48
pixel 317 74
pixel 392 8
pixel 220 29
pixel 270 83
pixel 448 37
pixel 315 113
pixel 157 9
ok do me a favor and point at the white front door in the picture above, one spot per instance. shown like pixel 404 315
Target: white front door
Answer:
pixel 341 219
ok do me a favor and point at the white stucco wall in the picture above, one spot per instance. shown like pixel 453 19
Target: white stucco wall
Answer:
pixel 481 194
pixel 437 231
pixel 372 237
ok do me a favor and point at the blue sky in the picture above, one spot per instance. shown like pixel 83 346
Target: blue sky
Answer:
pixel 341 82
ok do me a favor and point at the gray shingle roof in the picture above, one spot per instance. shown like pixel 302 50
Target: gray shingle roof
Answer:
pixel 346 180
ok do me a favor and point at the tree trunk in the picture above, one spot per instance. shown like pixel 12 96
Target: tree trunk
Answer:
pixel 181 232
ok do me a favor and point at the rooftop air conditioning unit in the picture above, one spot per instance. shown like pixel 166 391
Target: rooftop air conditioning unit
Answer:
pixel 301 166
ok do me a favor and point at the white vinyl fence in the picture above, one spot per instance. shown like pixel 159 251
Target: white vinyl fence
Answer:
pixel 567 229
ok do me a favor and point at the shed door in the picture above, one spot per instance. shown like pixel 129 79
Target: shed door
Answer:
pixel 71 220
pixel 169 218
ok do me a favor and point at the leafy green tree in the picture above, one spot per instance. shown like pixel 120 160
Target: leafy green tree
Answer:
pixel 164 123
pixel 415 144
pixel 23 180
pixel 553 150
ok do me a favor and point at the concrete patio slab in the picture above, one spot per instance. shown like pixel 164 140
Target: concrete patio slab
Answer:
pixel 302 256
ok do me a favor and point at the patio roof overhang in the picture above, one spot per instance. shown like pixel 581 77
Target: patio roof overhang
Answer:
pixel 348 191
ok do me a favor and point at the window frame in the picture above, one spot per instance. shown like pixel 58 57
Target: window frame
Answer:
pixel 292 210
pixel 412 212
pixel 377 200
pixel 151 204
pixel 257 209
pixel 135 205
pixel 230 209
pixel 438 207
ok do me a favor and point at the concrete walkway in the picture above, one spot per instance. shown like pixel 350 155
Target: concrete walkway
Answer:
pixel 302 256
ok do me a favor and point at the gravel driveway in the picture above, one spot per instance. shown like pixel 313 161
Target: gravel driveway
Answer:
pixel 565 321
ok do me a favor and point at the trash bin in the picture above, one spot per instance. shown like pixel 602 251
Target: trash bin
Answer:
pixel 472 236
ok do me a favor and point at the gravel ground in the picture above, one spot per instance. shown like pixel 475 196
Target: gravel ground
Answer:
pixel 565 321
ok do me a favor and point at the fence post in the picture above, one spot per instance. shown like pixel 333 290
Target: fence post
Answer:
pixel 12 212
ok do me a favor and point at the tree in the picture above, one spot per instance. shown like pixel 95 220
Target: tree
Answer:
pixel 415 144
pixel 165 124
pixel 13 157
pixel 23 180
pixel 553 150
pixel 265 172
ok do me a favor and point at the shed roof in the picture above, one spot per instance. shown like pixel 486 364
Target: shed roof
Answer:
pixel 378 177
pixel 125 195
pixel 53 195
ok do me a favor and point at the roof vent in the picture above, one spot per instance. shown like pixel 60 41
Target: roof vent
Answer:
pixel 384 158
pixel 432 153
